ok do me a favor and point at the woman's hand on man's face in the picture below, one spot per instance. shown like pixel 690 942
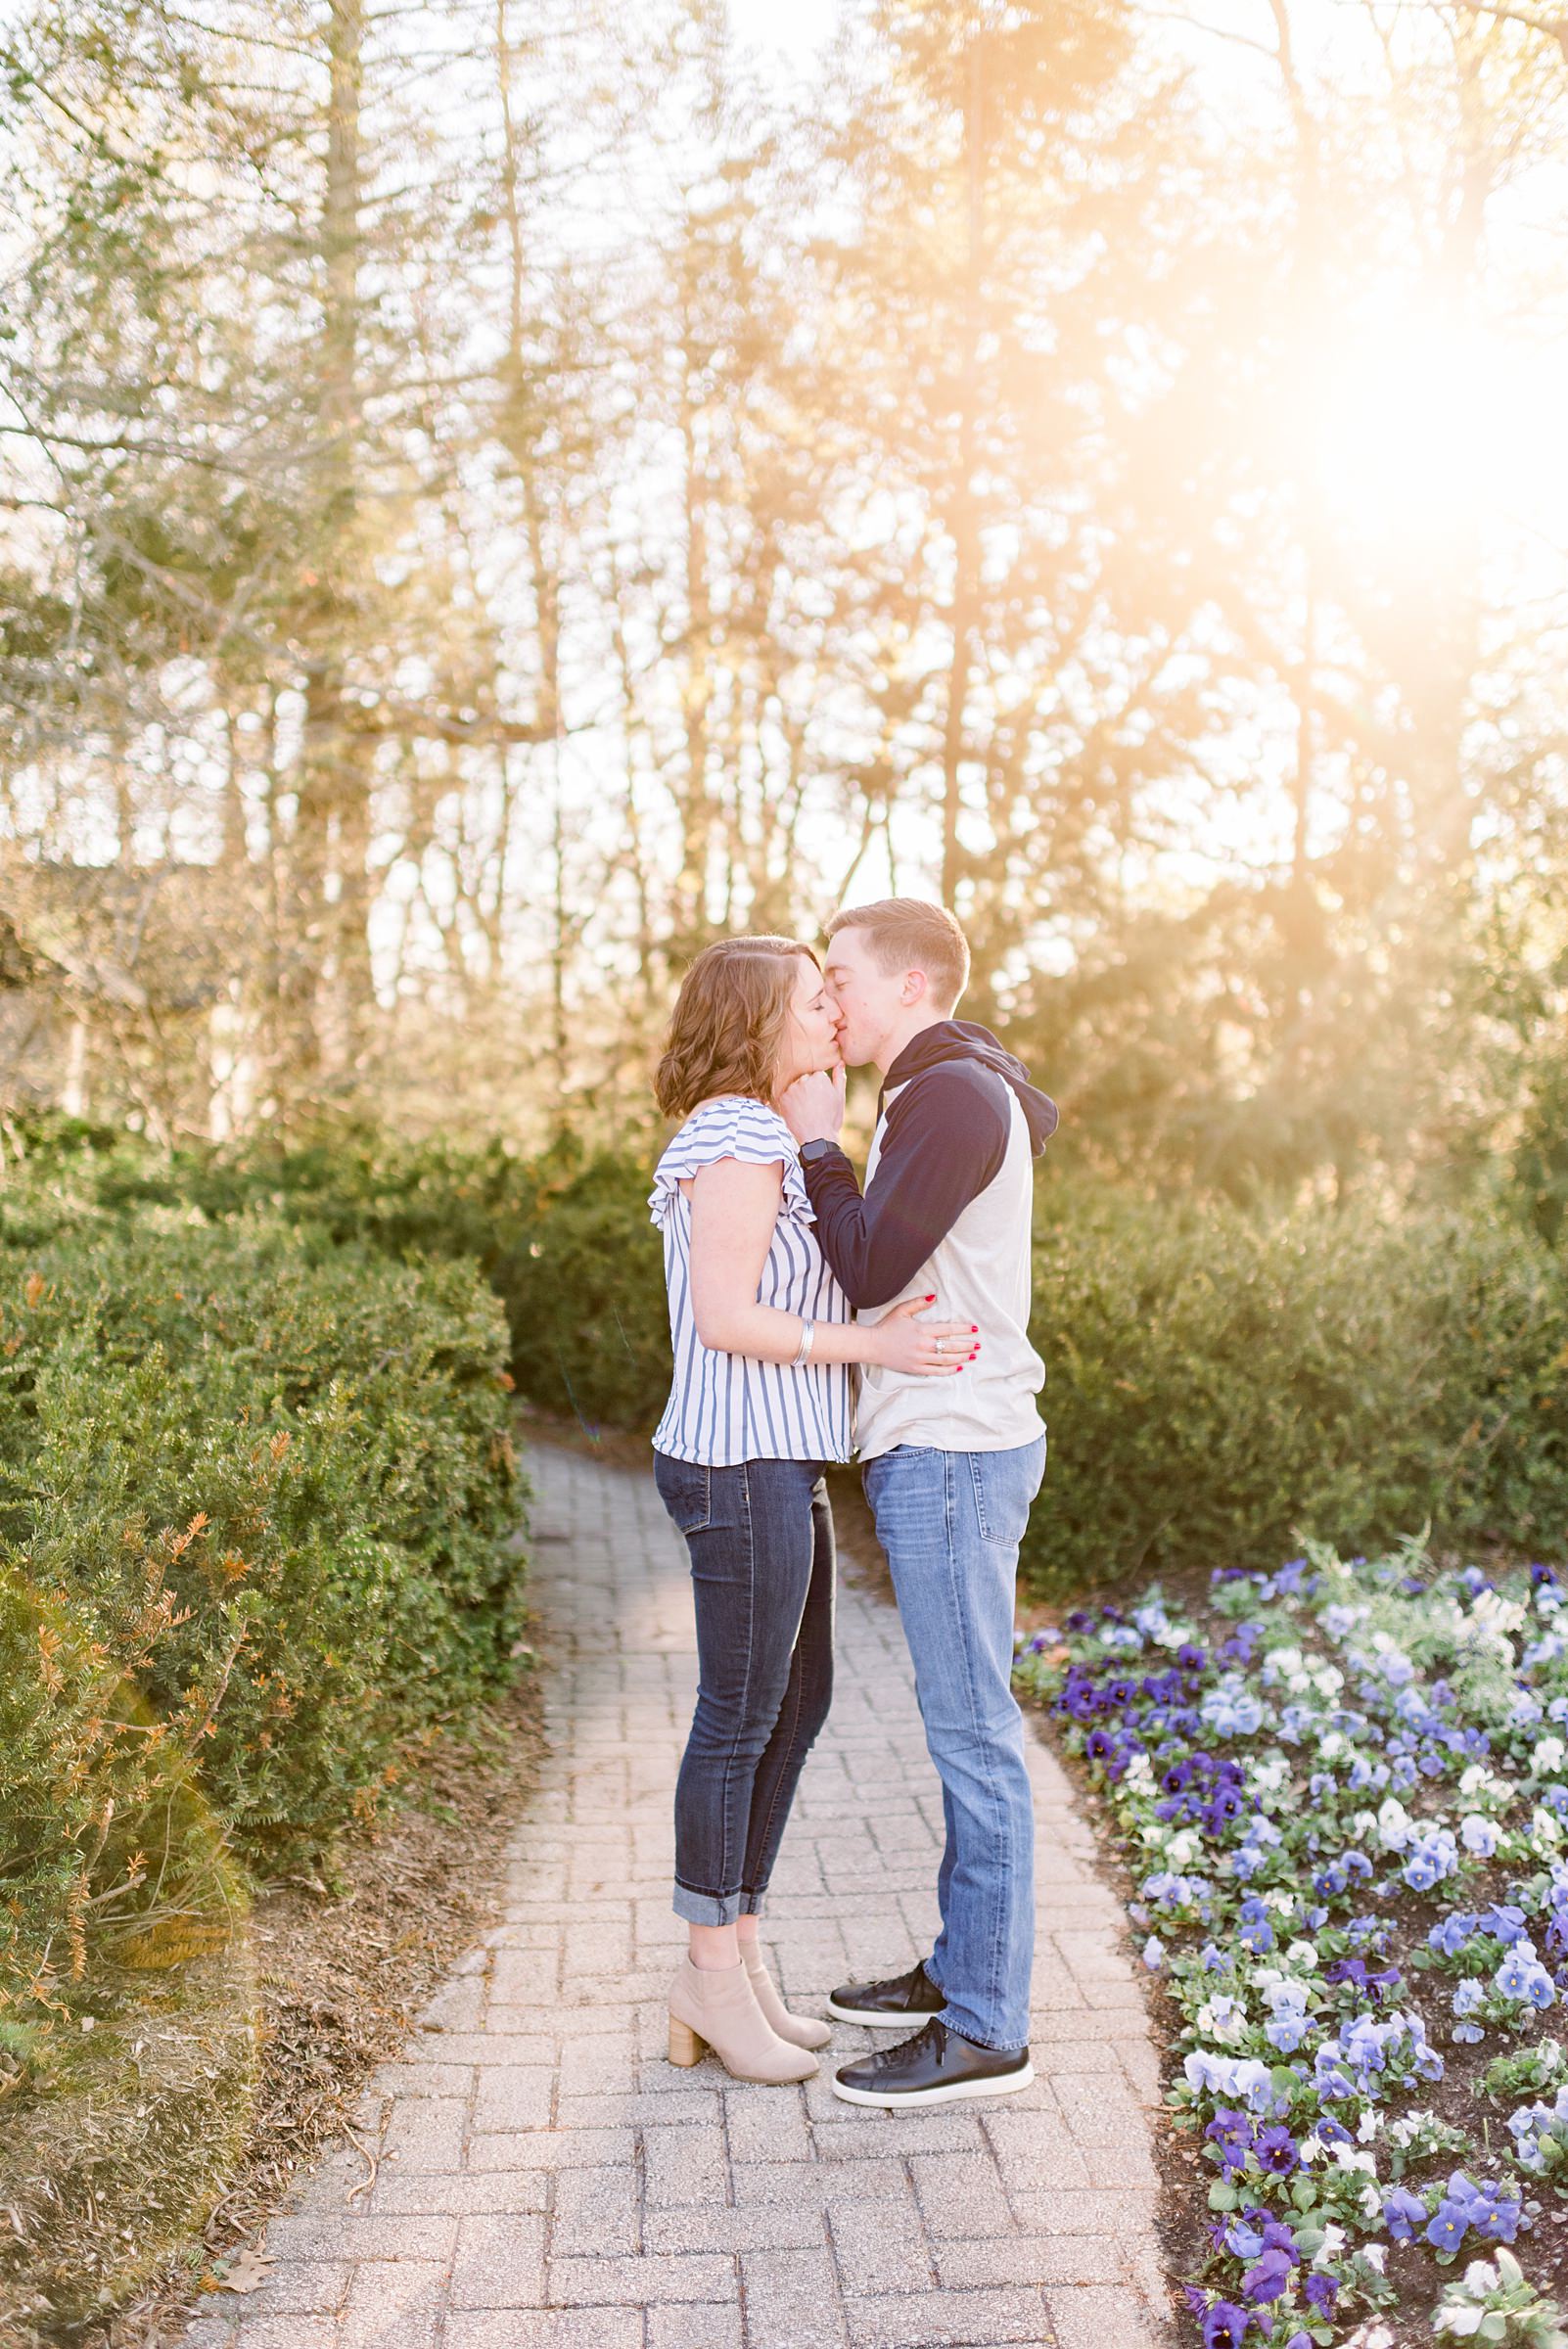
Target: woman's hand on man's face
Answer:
pixel 813 1107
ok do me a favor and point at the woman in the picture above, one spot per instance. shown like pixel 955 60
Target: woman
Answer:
pixel 760 1403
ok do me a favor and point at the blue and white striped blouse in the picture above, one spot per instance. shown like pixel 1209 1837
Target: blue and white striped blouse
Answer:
pixel 726 1407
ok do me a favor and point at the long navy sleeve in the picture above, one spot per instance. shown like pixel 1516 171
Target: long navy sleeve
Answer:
pixel 945 1140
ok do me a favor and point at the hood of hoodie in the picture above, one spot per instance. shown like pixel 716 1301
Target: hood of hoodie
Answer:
pixel 966 1040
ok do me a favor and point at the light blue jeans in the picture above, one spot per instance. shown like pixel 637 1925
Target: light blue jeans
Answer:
pixel 951 1523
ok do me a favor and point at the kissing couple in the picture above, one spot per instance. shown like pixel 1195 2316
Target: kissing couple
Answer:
pixel 783 1279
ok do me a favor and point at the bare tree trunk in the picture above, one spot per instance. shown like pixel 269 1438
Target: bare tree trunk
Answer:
pixel 332 834
pixel 964 522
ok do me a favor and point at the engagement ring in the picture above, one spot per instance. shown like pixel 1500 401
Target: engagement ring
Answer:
pixel 940 1346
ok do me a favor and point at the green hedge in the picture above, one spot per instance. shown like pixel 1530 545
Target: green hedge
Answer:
pixel 1219 1385
pixel 1220 1380
pixel 252 1495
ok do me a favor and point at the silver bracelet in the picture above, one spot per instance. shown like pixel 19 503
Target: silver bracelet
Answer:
pixel 808 1333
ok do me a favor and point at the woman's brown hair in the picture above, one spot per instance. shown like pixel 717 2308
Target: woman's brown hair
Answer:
pixel 728 1022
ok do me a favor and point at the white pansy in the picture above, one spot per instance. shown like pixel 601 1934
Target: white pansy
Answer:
pixel 1139 1771
pixel 1371 2204
pixel 1333 2244
pixel 1547 1757
pixel 1328 1679
pixel 1332 1744
pixel 1184 1848
pixel 1394 1824
pixel 1375 2255
pixel 1302 1956
pixel 1366 2128
pixel 1281 1903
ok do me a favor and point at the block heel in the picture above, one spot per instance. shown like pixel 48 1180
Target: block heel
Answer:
pixel 686 2048
pixel 715 2008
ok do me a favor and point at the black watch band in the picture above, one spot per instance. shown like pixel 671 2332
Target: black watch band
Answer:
pixel 810 1152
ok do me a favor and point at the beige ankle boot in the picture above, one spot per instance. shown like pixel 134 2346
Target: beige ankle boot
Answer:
pixel 801 2030
pixel 716 2008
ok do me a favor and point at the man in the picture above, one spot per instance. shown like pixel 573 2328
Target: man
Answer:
pixel 950 1466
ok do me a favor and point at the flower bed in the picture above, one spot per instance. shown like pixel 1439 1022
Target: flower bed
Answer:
pixel 1341 1791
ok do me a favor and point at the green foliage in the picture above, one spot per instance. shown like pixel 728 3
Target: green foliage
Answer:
pixel 563 1237
pixel 1495 2301
pixel 252 1490
pixel 1220 1383
pixel 1525 2071
pixel 1223 1381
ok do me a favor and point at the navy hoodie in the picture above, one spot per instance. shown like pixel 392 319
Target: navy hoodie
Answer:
pixel 945 1140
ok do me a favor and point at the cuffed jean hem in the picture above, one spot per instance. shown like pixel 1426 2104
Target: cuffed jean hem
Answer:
pixel 713 1907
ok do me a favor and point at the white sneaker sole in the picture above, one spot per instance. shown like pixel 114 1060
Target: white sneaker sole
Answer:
pixel 879 2022
pixel 1007 2085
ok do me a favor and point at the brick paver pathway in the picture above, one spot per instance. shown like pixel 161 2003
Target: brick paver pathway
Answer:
pixel 548 2180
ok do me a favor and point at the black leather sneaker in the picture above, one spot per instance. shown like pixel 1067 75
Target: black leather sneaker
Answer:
pixel 935 2067
pixel 889 2005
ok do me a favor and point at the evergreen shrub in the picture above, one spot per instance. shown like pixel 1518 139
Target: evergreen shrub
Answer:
pixel 1222 1383
pixel 252 1495
pixel 1222 1380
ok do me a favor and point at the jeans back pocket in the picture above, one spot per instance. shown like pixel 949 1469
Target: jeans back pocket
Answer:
pixel 685 1487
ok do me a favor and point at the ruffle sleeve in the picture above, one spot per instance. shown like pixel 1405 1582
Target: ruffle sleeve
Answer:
pixel 734 1128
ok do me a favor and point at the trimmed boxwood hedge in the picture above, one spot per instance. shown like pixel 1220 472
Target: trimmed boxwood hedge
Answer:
pixel 254 1490
pixel 1220 1380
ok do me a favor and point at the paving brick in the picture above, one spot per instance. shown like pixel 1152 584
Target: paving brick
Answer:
pixel 694 2328
pixel 551 2149
pixel 424 2133
pixel 753 2226
pixel 1088 2316
pixel 473 2192
pixel 792 2300
pixel 1093 2210
pixel 948 2321
pixel 512 2097
pixel 819 2184
pixel 873 2136
pixel 961 2193
pixel 549 2328
pixel 393 2304
pixel 302 2286
pixel 997 2259
pixel 499 2263
pixel 353 2235
pixel 654 2208
pixel 1116 2166
pixel 880 2247
pixel 640 2282
pixel 595 2215
pixel 286 2332
pixel 762 2125
pixel 684 2165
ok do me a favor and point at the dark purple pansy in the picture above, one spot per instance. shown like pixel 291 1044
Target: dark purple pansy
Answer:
pixel 1270 2279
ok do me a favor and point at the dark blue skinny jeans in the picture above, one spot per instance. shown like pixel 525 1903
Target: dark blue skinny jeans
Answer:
pixel 760 1538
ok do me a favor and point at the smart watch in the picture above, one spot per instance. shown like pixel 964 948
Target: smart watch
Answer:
pixel 810 1152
